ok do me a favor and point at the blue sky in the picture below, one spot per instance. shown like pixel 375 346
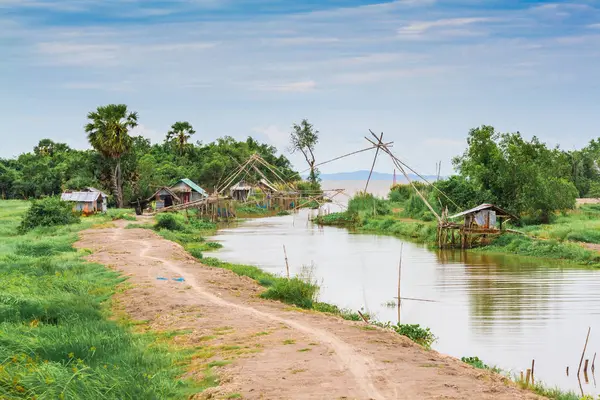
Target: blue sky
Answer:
pixel 422 71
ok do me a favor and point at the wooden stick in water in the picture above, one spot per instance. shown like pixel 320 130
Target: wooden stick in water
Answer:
pixel 567 370
pixel 532 369
pixel 287 266
pixel 584 348
pixel 585 365
pixel 594 363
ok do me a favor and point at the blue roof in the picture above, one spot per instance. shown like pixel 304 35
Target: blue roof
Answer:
pixel 194 186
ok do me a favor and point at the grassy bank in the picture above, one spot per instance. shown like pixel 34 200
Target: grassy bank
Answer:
pixel 539 387
pixel 559 240
pixel 57 340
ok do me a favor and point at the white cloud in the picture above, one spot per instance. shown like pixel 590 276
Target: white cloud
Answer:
pixel 594 26
pixel 301 40
pixel 300 86
pixel 153 135
pixel 419 28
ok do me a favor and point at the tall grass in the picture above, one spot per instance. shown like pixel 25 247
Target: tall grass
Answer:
pixel 56 339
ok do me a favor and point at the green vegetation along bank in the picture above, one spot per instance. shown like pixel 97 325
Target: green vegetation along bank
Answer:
pixel 57 339
pixel 405 215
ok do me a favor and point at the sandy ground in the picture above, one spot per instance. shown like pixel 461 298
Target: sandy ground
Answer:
pixel 270 350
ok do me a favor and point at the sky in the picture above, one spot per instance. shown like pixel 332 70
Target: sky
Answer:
pixel 424 72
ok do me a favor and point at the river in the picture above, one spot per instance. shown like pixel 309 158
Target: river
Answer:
pixel 504 309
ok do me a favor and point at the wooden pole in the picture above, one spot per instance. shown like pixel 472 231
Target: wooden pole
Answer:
pixel 585 366
pixel 584 348
pixel 527 376
pixel 363 317
pixel 287 266
pixel 532 371
pixel 522 380
pixel 567 370
pixel 594 363
pixel 399 280
pixel 374 161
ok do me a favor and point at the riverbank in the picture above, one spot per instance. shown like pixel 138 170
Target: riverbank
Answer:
pixel 258 347
pixel 551 241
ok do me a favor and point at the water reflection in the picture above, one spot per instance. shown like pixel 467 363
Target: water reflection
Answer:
pixel 504 309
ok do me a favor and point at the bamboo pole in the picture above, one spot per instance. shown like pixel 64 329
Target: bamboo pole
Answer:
pixel 363 317
pixel 374 161
pixel 594 363
pixel 527 376
pixel 532 371
pixel 584 348
pixel 287 266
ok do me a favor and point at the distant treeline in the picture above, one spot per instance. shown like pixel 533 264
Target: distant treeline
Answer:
pixel 53 167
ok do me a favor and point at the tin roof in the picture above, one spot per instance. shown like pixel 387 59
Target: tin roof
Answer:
pixel 482 207
pixel 80 197
pixel 166 189
pixel 241 185
pixel 91 189
pixel 193 186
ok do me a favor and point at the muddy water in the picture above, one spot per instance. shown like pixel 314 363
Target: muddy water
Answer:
pixel 504 309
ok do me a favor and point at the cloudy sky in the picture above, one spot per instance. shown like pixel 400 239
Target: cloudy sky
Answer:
pixel 422 71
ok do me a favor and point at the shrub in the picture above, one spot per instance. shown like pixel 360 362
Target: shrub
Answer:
pixel 118 213
pixel 294 291
pixel 365 204
pixel 168 221
pixel 475 362
pixel 400 193
pixel 414 332
pixel 339 219
pixel 50 211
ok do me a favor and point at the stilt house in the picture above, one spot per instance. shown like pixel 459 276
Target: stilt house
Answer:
pixel 87 201
pixel 188 191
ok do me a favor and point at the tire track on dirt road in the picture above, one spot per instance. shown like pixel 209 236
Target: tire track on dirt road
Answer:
pixel 361 367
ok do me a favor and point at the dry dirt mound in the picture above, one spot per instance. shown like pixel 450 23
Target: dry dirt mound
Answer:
pixel 267 350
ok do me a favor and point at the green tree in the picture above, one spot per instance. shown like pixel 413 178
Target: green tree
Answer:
pixel 108 133
pixel 179 135
pixel 524 176
pixel 304 138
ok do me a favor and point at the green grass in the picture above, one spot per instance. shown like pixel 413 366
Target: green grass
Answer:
pixel 56 341
pixel 526 246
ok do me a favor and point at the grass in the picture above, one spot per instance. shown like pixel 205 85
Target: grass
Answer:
pixel 56 338
pixel 539 387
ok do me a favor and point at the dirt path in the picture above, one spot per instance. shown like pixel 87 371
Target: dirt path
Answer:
pixel 267 350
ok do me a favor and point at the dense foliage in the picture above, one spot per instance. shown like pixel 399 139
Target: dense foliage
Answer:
pixel 50 211
pixel 53 167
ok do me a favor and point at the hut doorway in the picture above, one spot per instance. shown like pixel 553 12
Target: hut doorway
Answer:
pixel 168 201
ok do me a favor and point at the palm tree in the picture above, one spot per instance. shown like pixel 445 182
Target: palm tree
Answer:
pixel 180 133
pixel 108 134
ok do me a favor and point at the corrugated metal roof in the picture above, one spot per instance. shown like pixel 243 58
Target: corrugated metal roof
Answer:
pixel 80 197
pixel 481 208
pixel 194 186
pixel 241 185
pixel 91 189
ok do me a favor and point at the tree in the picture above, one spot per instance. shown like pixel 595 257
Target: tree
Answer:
pixel 179 134
pixel 304 138
pixel 520 175
pixel 108 134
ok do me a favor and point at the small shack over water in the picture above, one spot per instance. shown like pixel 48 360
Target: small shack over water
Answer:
pixel 87 201
pixel 480 225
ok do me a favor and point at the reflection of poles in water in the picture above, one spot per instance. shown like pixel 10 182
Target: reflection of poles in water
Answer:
pixel 399 280
pixel 581 362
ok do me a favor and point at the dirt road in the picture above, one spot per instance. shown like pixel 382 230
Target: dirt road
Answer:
pixel 268 350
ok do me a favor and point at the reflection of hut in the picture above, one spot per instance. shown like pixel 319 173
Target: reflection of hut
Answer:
pixel 240 191
pixel 88 201
pixel 164 197
pixel 484 216
pixel 188 191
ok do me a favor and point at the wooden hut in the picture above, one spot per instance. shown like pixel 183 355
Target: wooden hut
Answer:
pixel 188 191
pixel 164 197
pixel 240 191
pixel 484 216
pixel 88 201
pixel 480 224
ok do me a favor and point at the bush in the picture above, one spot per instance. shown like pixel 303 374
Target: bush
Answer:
pixel 168 221
pixel 116 214
pixel 50 211
pixel 338 219
pixel 474 362
pixel 400 193
pixel 365 204
pixel 414 332
pixel 294 291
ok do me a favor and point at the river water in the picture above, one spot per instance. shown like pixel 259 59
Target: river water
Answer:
pixel 504 309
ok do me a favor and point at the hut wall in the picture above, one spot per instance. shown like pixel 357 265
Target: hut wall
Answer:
pixel 196 196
